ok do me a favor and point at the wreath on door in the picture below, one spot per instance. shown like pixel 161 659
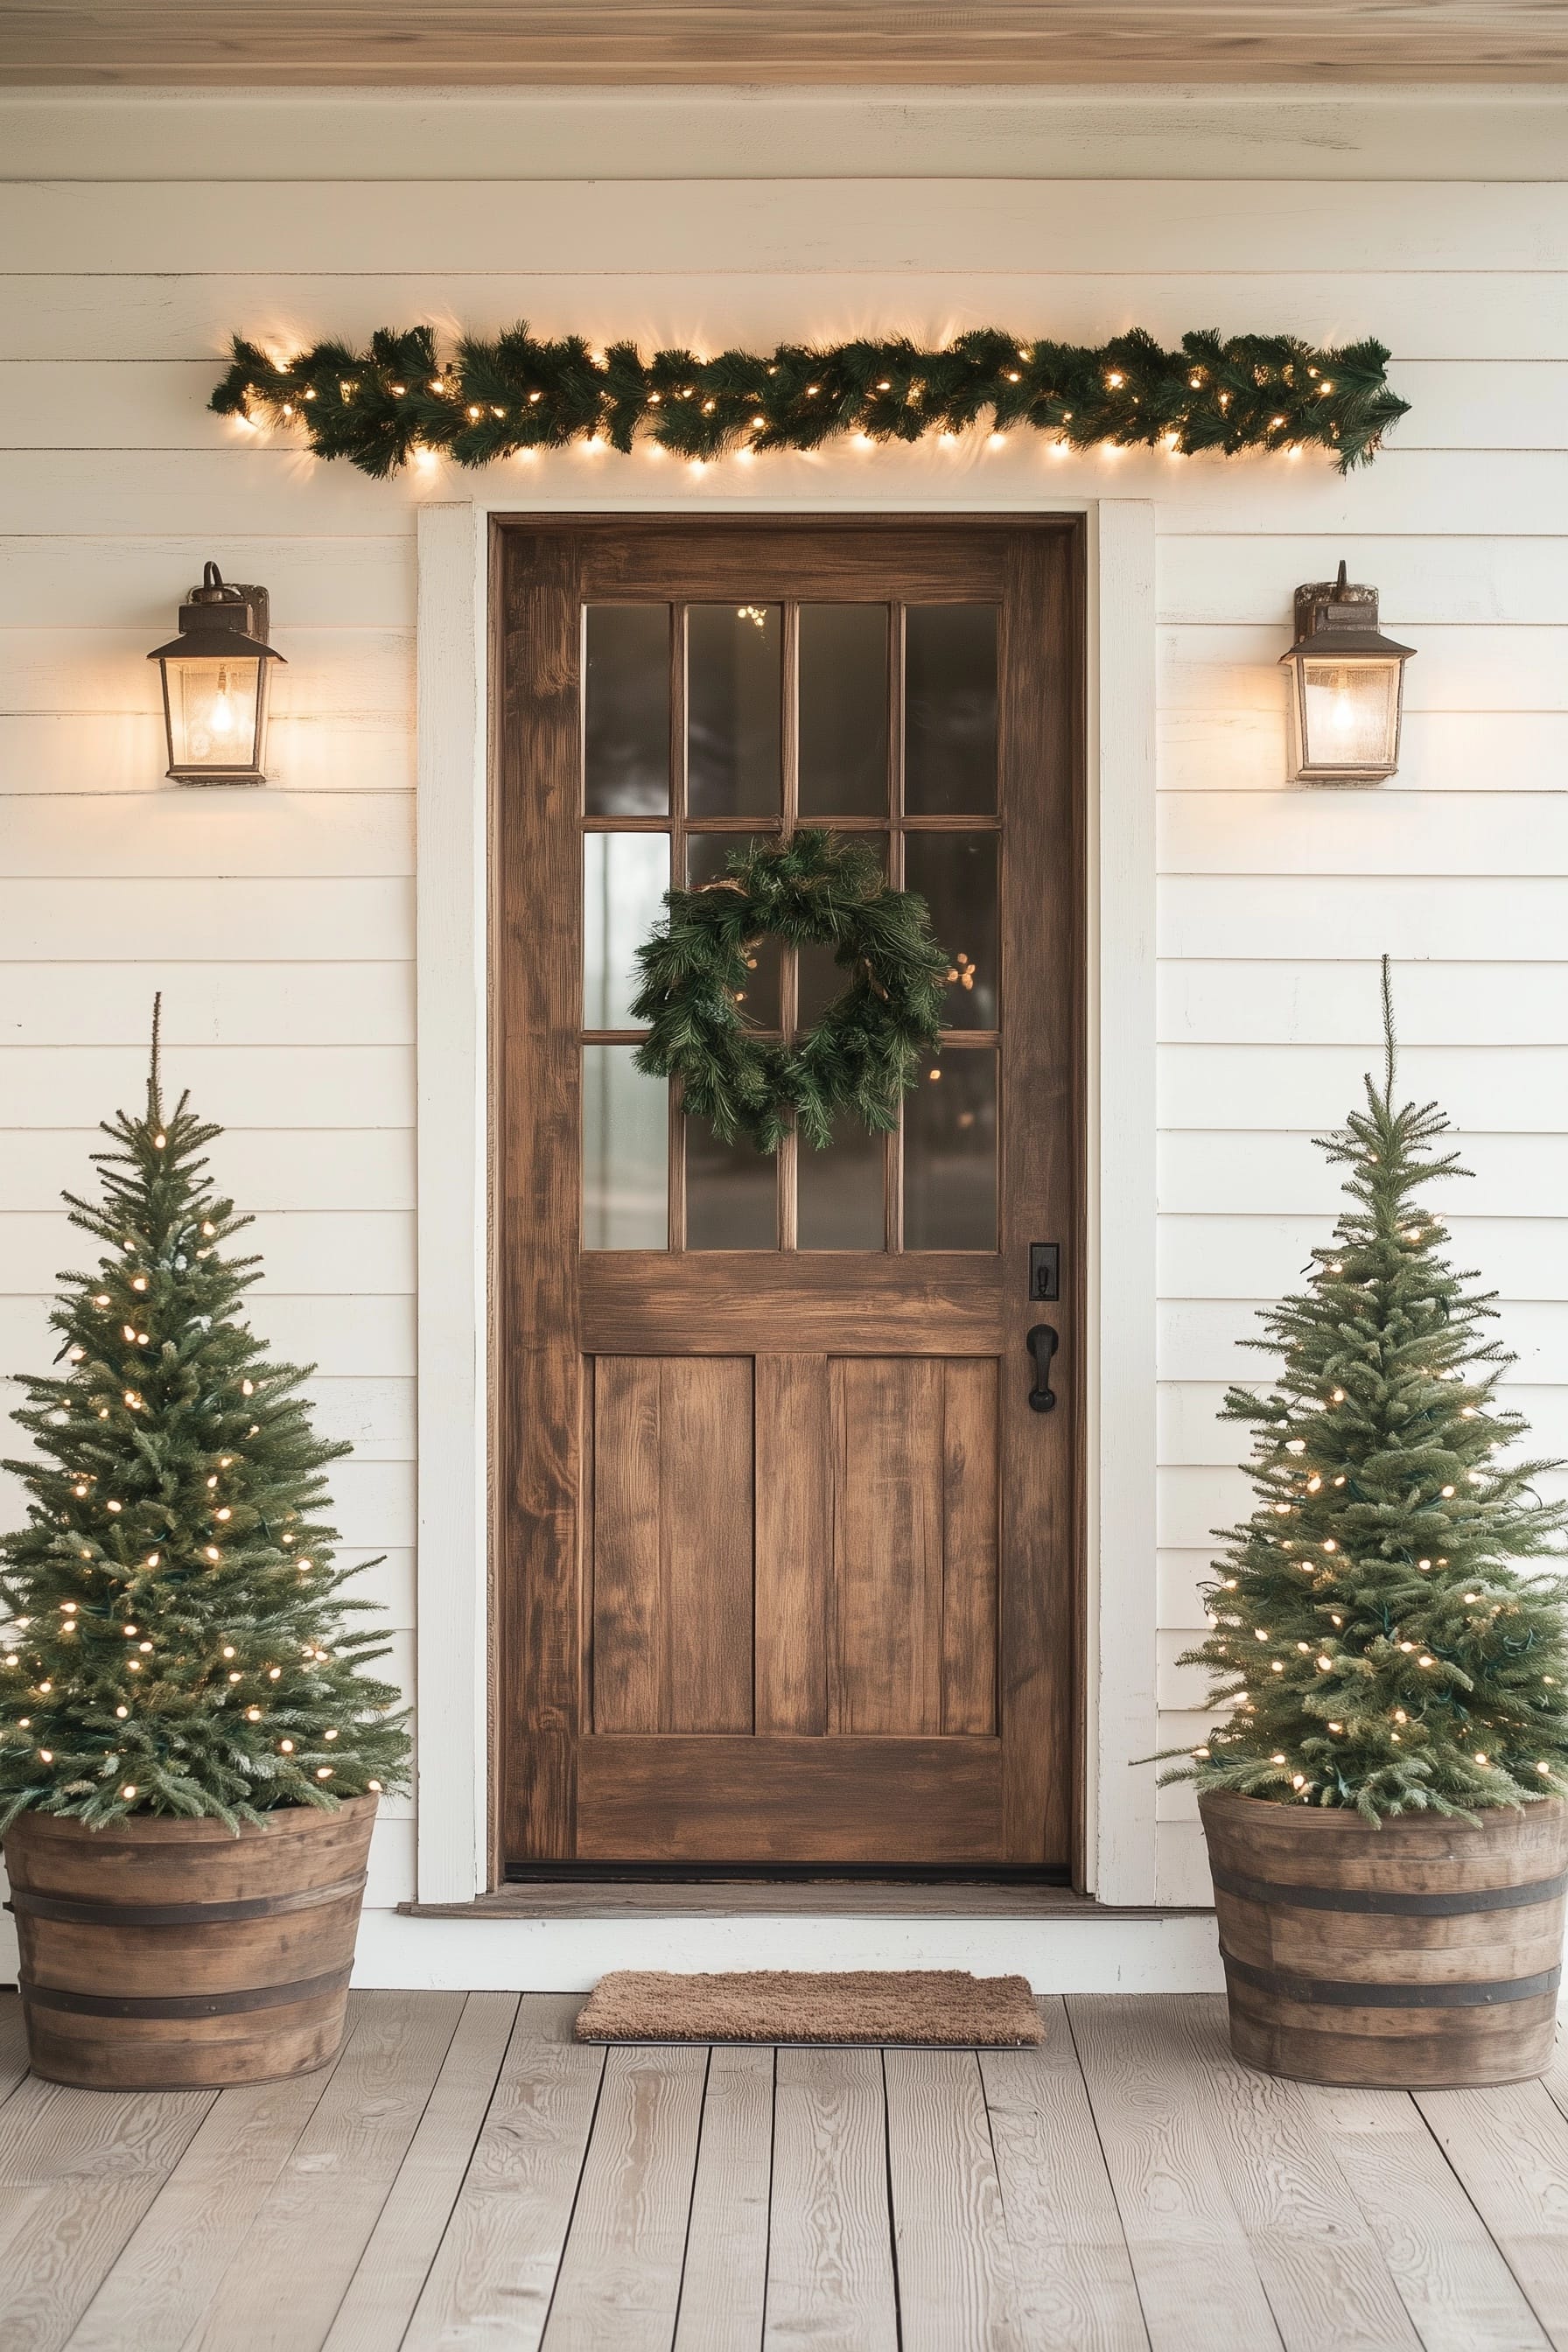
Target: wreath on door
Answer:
pixel 865 1052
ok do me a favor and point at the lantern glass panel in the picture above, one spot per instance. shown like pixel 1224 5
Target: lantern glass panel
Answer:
pixel 214 712
pixel 1350 714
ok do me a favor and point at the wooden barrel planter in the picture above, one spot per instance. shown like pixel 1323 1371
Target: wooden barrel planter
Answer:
pixel 170 1955
pixel 1422 1955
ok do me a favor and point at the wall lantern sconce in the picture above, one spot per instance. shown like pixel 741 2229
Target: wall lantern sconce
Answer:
pixel 1347 686
pixel 214 677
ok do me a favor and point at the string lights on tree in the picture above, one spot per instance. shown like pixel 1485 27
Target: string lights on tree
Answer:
pixel 178 1642
pixel 1387 1652
pixel 399 403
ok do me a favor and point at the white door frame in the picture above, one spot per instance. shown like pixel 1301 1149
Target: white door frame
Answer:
pixel 453 1633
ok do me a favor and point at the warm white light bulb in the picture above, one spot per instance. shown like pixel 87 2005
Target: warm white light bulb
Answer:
pixel 222 719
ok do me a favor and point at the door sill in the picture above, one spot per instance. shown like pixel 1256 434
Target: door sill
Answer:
pixel 823 1898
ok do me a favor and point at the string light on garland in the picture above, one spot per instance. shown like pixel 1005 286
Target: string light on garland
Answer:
pixel 397 404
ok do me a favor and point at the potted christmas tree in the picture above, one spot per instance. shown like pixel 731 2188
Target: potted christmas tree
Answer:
pixel 1383 1801
pixel 190 1755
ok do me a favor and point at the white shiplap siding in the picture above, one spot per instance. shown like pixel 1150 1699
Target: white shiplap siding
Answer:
pixel 279 924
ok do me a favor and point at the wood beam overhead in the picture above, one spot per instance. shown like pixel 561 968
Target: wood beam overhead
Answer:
pixel 412 43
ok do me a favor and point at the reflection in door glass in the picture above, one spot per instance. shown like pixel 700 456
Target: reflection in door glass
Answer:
pixel 734 687
pixel 838 1192
pixel 843 709
pixel 732 1193
pixel 707 856
pixel 949 1154
pixel 819 977
pixel 955 873
pixel 625 877
pixel 949 723
pixel 625 710
pixel 625 1152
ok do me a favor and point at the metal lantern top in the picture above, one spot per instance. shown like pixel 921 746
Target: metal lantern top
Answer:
pixel 220 621
pixel 1336 620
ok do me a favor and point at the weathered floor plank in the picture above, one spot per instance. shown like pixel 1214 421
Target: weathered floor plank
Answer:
pixel 1510 2149
pixel 466 2175
pixel 78 2170
pixel 1196 2280
pixel 1453 2280
pixel 723 2292
pixel 293 2266
pixel 491 2281
pixel 166 2278
pixel 956 2289
pixel 1556 2076
pixel 12 2044
pixel 1074 2275
pixel 407 2236
pixel 1321 2267
pixel 830 2260
pixel 619 2284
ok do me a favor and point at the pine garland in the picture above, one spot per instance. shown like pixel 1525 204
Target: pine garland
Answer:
pixel 382 408
pixel 1378 1646
pixel 177 1641
pixel 865 1052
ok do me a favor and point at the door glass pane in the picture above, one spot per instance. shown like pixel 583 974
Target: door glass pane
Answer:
pixel 820 978
pixel 707 855
pixel 843 709
pixel 949 1154
pixel 625 877
pixel 950 721
pixel 955 873
pixel 838 1192
pixel 733 709
pixel 625 710
pixel 732 1193
pixel 625 1152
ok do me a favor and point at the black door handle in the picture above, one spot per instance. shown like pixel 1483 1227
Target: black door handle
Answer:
pixel 1043 1344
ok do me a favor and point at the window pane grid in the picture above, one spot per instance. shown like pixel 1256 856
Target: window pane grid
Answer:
pixel 953 1135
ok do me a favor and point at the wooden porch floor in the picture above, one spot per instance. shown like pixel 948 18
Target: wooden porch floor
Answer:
pixel 464 2176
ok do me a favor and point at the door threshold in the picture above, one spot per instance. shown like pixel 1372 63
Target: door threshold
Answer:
pixel 611 1898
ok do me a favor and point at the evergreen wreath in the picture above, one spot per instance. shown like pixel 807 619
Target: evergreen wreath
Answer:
pixel 865 1052
pixel 399 400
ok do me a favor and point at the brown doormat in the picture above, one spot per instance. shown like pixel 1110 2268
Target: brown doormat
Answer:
pixel 944 2008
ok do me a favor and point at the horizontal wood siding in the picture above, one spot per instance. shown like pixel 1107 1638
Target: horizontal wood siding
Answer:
pixel 279 924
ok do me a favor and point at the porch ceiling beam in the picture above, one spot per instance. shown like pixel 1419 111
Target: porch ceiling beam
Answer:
pixel 305 43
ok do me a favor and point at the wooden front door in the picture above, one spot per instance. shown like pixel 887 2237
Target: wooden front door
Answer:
pixel 787 1564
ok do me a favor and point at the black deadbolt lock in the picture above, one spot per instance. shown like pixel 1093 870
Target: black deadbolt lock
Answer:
pixel 1045 1269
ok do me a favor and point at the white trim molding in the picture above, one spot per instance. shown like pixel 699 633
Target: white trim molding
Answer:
pixel 452 1641
pixel 452 1632
pixel 1122 1437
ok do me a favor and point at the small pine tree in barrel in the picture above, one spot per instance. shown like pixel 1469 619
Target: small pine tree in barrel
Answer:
pixel 178 1642
pixel 1375 1640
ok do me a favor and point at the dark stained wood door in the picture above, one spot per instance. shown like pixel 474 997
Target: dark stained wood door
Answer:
pixel 788 1569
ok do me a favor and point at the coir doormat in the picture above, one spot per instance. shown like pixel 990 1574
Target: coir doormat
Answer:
pixel 931 2007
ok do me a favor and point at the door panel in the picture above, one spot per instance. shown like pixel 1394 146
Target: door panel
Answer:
pixel 794 1543
pixel 858 1801
pixel 787 1570
pixel 886 1603
pixel 671 1544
